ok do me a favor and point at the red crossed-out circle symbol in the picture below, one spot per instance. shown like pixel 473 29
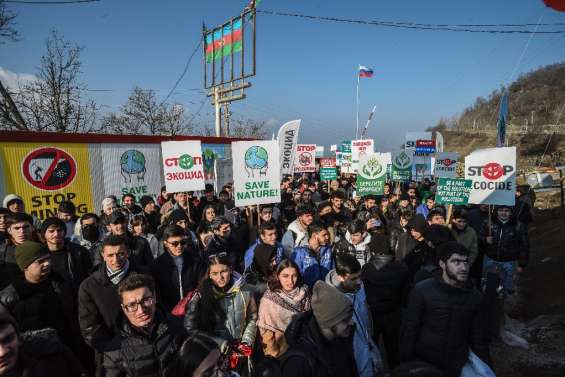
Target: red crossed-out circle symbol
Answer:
pixel 49 168
pixel 305 159
pixel 448 162
pixel 493 170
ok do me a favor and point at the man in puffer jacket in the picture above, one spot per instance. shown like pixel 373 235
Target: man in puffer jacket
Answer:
pixel 347 278
pixel 506 242
pixel 444 320
pixel 355 242
pixel 148 341
pixel 314 260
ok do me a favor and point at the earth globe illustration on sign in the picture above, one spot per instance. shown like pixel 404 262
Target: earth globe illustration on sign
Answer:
pixel 132 163
pixel 256 161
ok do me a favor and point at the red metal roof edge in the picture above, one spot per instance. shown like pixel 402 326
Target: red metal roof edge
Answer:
pixel 30 136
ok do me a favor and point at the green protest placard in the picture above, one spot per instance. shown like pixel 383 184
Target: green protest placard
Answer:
pixel 453 191
pixel 401 169
pixel 328 171
pixel 371 176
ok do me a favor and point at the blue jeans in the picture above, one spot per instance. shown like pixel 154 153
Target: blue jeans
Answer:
pixel 507 270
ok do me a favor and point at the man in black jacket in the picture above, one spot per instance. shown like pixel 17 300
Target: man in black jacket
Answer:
pixel 149 340
pixel 386 282
pixel 320 341
pixel 99 303
pixel 444 321
pixel 178 270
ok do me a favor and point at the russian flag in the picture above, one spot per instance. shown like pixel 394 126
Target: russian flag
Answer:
pixel 365 71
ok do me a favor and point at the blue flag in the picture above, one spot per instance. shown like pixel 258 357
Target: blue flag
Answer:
pixel 502 119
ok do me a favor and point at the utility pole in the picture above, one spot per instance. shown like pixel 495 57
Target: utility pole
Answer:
pixel 12 109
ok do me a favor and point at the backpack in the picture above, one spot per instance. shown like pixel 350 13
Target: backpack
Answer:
pixel 180 309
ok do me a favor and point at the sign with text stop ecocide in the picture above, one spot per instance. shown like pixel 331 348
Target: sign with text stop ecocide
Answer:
pixel 493 172
pixel 182 165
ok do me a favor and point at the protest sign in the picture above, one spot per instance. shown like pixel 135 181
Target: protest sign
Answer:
pixel 401 169
pixel 446 164
pixel 425 147
pixel 224 170
pixel 453 191
pixel 320 151
pixel 371 176
pixel 305 158
pixel 131 169
pixel 328 171
pixel 413 137
pixel 421 167
pixel 493 172
pixel 182 165
pixel 288 140
pixel 256 172
pixel 45 175
pixel 360 148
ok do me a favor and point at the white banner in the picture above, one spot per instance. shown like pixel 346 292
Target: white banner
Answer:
pixel 131 169
pixel 319 151
pixel 493 172
pixel 439 142
pixel 446 164
pixel 412 137
pixel 182 165
pixel 224 170
pixel 360 148
pixel 287 141
pixel 256 172
pixel 305 158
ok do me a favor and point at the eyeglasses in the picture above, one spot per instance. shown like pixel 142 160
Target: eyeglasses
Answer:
pixel 145 303
pixel 176 243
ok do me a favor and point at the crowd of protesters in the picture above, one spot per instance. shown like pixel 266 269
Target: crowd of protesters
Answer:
pixel 325 283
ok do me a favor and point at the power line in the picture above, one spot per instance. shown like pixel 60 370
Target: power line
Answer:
pixel 414 26
pixel 183 72
pixel 50 2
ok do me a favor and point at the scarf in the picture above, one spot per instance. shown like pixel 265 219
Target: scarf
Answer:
pixel 117 276
pixel 277 308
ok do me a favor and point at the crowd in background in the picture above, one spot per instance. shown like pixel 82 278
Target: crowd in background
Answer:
pixel 324 283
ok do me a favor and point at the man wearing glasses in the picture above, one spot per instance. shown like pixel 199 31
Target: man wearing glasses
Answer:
pixel 99 303
pixel 178 270
pixel 148 339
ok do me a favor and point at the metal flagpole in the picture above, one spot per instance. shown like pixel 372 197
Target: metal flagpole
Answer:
pixel 357 130
pixel 368 122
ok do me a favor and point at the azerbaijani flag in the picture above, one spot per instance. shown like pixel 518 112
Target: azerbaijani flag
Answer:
pixel 223 41
pixel 365 71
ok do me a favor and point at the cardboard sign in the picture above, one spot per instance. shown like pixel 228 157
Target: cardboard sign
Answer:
pixel 328 171
pixel 453 191
pixel 371 176
pixel 305 158
pixel 446 165
pixel 493 172
pixel 401 169
pixel 288 139
pixel 256 172
pixel 182 166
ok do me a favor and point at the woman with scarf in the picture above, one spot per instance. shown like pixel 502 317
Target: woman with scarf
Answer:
pixel 224 308
pixel 285 297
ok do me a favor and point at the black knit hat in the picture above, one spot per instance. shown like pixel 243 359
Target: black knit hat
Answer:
pixel 178 215
pixel 145 200
pixel 418 223
pixel 52 221
pixel 438 234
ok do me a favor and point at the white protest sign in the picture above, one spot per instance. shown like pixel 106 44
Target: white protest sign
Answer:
pixel 256 172
pixel 182 165
pixel 305 158
pixel 319 151
pixel 493 172
pixel 360 148
pixel 422 168
pixel 131 169
pixel 446 164
pixel 288 140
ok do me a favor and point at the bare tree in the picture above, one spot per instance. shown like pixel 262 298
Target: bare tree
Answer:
pixel 246 127
pixel 7 24
pixel 56 99
pixel 143 114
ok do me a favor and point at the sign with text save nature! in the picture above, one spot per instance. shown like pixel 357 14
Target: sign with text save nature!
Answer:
pixel 182 165
pixel 401 169
pixel 288 140
pixel 256 172
pixel 371 175
pixel 453 191
pixel 493 172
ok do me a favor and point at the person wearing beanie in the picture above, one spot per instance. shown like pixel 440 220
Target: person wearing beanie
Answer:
pixel 321 340
pixel 35 355
pixel 70 260
pixel 151 213
pixel 14 203
pixel 411 239
pixel 261 269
